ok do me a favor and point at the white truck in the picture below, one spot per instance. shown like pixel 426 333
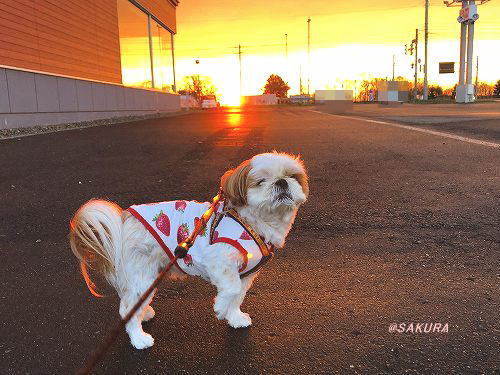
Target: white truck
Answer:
pixel 209 101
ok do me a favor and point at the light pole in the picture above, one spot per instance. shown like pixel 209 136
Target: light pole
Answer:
pixel 241 79
pixel 415 91
pixel 426 41
pixel 308 54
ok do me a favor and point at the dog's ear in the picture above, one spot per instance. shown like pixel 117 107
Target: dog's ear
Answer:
pixel 234 184
pixel 303 180
pixel 302 177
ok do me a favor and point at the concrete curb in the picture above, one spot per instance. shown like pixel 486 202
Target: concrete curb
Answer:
pixel 45 129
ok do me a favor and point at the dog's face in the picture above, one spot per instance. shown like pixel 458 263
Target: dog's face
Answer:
pixel 271 181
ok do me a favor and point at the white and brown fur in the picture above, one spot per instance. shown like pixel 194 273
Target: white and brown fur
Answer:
pixel 265 190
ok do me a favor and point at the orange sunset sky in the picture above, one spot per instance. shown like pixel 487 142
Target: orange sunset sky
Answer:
pixel 350 40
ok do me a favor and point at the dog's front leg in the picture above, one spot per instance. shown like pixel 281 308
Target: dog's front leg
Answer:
pixel 222 265
pixel 235 317
pixel 229 287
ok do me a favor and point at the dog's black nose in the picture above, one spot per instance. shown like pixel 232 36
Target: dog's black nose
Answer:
pixel 282 184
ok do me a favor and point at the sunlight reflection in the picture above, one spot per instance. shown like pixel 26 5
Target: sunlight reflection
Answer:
pixel 234 119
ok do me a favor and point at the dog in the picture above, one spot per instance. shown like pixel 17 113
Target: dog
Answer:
pixel 130 247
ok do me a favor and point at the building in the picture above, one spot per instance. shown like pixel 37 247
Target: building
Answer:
pixel 264 99
pixel 63 61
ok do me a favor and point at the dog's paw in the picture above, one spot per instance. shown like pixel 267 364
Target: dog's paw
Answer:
pixel 239 320
pixel 142 340
pixel 149 313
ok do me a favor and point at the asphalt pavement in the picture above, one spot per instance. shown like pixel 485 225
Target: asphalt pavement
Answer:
pixel 401 227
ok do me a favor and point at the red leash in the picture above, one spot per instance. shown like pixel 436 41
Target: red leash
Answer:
pixel 180 252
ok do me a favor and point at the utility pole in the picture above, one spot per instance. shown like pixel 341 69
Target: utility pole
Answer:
pixel 174 86
pixel 300 80
pixel 286 57
pixel 477 75
pixel 463 50
pixel 393 64
pixel 286 47
pixel 308 54
pixel 415 91
pixel 468 15
pixel 241 79
pixel 426 37
pixel 470 46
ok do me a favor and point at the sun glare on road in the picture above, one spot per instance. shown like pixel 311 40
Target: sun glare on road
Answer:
pixel 234 119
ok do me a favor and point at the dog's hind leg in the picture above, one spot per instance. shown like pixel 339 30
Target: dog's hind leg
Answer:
pixel 148 312
pixel 138 338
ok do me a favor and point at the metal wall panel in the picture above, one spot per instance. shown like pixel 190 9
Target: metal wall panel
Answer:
pixel 46 93
pixel 22 94
pixel 84 96
pixel 4 93
pixel 68 99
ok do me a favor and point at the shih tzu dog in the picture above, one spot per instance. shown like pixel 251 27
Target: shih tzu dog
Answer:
pixel 129 247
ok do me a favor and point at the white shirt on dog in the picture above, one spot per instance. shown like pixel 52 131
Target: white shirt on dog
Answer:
pixel 172 222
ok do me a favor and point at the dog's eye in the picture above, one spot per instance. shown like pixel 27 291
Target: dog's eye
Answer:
pixel 260 182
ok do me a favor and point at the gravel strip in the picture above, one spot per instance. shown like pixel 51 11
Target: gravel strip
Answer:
pixel 40 129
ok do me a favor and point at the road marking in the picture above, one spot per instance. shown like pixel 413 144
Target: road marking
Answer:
pixel 414 128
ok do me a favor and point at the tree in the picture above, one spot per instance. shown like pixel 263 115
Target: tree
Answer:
pixel 484 89
pixel 497 88
pixel 435 91
pixel 276 85
pixel 198 87
pixel 369 85
pixel 450 91
pixel 420 88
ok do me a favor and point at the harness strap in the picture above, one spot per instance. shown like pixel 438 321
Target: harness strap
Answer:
pixel 267 252
pixel 264 249
pixel 238 246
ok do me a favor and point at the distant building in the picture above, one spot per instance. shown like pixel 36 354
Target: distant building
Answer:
pixel 264 99
pixel 66 61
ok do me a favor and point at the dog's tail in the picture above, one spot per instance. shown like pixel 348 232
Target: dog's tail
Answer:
pixel 96 239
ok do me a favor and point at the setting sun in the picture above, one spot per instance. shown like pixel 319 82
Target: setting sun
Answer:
pixel 230 97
